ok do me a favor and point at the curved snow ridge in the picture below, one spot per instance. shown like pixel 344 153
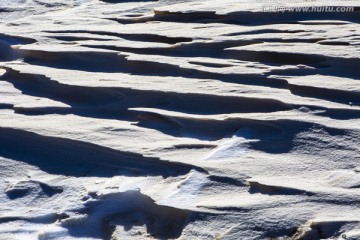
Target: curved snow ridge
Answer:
pixel 124 98
pixel 75 158
pixel 126 214
pixel 256 113
pixel 327 228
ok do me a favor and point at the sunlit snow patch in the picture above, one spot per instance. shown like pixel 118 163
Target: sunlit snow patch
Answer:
pixel 233 147
pixel 188 190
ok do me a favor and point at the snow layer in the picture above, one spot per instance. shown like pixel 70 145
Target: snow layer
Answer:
pixel 178 120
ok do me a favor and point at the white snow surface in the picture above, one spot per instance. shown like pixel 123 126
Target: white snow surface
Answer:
pixel 185 119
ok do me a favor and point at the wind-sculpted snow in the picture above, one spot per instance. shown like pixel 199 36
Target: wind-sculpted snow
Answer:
pixel 179 120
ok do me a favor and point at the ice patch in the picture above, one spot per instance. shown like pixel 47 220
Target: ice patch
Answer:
pixel 188 190
pixel 232 148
